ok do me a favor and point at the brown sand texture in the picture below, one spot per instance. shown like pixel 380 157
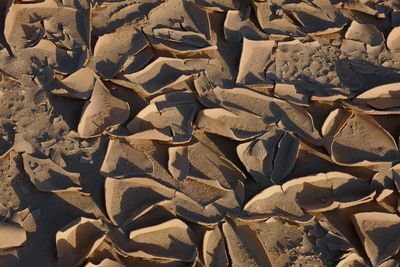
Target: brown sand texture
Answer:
pixel 199 133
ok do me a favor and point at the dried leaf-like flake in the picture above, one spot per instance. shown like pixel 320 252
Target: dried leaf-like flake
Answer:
pixel 256 56
pixel 214 250
pixel 270 156
pixel 102 111
pixel 124 158
pixel 127 199
pixel 47 176
pixel 77 240
pixel 170 240
pixel 379 233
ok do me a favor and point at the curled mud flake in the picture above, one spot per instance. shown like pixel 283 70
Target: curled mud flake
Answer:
pixel 214 248
pixel 110 56
pixel 256 55
pixel 243 246
pixel 238 26
pixel 265 157
pixel 124 158
pixel 365 33
pixel 174 238
pixel 78 240
pixel 12 235
pixel 392 40
pixel 379 233
pixel 380 99
pixel 145 193
pixel 47 176
pixel 164 73
pixel 360 141
pixel 78 85
pixel 102 111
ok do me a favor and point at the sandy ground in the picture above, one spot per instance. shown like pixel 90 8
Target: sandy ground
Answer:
pixel 199 133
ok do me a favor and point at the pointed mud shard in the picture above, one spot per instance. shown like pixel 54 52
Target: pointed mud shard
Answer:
pixel 127 199
pixel 124 159
pixel 78 240
pixel 379 233
pixel 238 101
pixel 47 176
pixel 102 111
pixel 174 238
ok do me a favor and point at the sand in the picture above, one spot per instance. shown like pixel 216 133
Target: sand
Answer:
pixel 199 133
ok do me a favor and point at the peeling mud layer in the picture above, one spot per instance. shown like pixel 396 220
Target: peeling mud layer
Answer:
pixel 199 133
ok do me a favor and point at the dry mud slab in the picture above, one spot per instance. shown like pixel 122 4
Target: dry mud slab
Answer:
pixel 199 133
